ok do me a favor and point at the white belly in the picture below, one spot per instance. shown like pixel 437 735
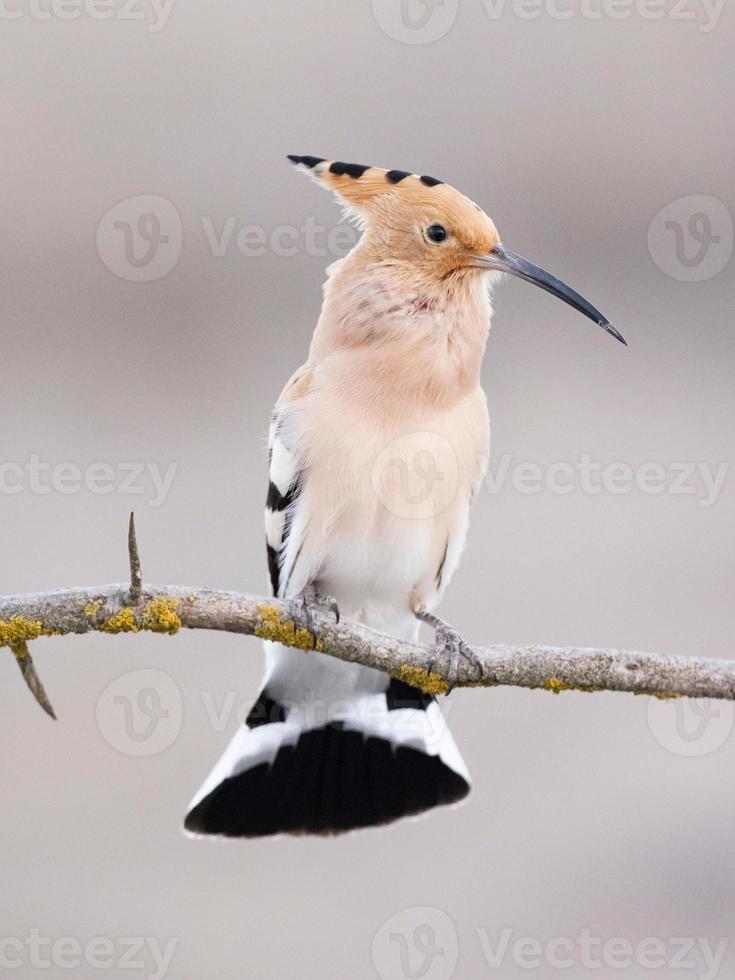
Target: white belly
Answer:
pixel 373 579
pixel 382 515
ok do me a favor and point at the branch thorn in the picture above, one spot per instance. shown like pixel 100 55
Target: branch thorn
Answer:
pixel 31 678
pixel 136 579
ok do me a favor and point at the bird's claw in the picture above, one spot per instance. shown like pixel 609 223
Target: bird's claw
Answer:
pixel 306 604
pixel 449 643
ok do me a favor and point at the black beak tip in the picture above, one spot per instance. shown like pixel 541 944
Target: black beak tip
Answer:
pixel 606 325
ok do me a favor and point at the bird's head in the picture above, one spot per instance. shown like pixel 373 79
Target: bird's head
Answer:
pixel 431 228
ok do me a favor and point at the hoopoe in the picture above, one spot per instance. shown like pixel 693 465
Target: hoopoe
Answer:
pixel 377 445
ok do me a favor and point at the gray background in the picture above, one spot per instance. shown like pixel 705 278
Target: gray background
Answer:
pixel 573 135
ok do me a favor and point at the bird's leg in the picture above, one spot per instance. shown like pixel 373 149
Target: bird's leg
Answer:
pixel 308 602
pixel 450 644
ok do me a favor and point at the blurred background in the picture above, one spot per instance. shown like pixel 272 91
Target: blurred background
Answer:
pixel 162 265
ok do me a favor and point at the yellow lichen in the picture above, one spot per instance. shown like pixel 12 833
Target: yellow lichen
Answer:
pixel 161 617
pixel 91 609
pixel 426 680
pixel 279 630
pixel 18 629
pixel 122 622
pixel 556 686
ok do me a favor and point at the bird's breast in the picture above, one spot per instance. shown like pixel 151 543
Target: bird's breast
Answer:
pixel 385 497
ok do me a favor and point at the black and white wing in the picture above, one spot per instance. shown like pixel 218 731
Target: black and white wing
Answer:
pixel 285 484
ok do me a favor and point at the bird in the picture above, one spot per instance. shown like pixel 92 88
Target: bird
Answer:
pixel 377 445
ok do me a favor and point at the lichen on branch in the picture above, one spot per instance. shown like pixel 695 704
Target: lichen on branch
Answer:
pixel 169 608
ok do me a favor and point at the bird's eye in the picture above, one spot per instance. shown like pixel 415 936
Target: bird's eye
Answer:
pixel 436 233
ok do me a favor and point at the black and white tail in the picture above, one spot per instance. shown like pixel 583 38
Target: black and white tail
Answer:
pixel 356 749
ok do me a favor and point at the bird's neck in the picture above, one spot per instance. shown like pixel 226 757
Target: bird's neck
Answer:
pixel 404 331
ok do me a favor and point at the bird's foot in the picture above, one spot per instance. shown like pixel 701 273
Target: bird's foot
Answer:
pixel 306 604
pixel 449 644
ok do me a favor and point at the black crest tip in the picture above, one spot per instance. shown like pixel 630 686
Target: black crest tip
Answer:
pixel 307 161
pixel 350 169
pixel 396 176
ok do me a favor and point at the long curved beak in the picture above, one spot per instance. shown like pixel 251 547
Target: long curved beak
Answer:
pixel 501 259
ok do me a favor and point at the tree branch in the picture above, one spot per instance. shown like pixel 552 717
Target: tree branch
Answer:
pixel 167 608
